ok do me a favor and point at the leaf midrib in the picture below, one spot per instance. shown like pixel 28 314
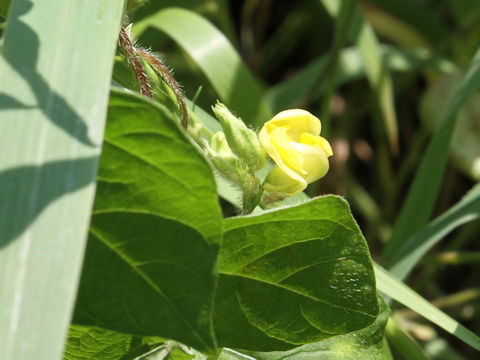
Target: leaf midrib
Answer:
pixel 152 285
pixel 141 158
pixel 296 292
pixel 285 220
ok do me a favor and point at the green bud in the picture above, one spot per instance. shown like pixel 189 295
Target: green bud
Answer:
pixel 223 158
pixel 243 141
pixel 199 132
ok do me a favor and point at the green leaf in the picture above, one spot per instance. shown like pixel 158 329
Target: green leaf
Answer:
pixel 461 10
pixel 344 13
pixel 364 344
pixel 421 197
pixel 394 288
pixel 379 78
pixel 217 58
pixel 93 343
pixel 465 143
pixel 4 6
pixel 400 341
pixel 417 14
pixel 375 69
pixel 155 230
pixel 291 276
pixel 417 246
pixel 53 101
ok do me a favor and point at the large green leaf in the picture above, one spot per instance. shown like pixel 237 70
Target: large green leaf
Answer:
pixel 217 58
pixel 53 99
pixel 155 230
pixel 418 206
pixel 295 275
pixel 364 344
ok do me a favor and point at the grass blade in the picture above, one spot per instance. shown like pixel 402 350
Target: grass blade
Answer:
pixel 418 15
pixel 421 197
pixel 375 69
pixel 52 106
pixel 217 58
pixel 416 247
pixel 380 80
pixel 393 287
pixel 402 342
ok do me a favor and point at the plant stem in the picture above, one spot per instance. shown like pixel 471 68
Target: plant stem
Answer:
pixel 167 76
pixel 134 61
pixel 252 193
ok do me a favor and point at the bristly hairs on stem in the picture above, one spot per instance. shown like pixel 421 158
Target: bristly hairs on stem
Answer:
pixel 166 76
pixel 134 61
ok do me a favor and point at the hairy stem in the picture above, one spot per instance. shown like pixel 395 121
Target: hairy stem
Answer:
pixel 135 63
pixel 167 76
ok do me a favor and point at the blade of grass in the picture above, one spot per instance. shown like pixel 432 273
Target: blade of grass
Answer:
pixel 375 70
pixel 421 197
pixel 394 288
pixel 53 100
pixel 417 246
pixel 454 258
pixel 415 14
pixel 216 57
pixel 402 342
pixel 380 80
pixel 391 27
pixel 343 16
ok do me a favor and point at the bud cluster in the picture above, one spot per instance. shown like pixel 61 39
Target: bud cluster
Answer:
pixel 235 152
pixel 292 140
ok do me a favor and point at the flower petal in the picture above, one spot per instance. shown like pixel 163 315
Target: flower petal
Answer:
pixel 297 121
pixel 274 153
pixel 318 141
pixel 279 181
pixel 284 146
pixel 315 161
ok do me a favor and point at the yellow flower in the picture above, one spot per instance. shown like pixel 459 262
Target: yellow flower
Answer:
pixel 292 140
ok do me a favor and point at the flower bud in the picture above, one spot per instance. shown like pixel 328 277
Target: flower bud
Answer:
pixel 292 140
pixel 243 141
pixel 223 158
pixel 199 132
